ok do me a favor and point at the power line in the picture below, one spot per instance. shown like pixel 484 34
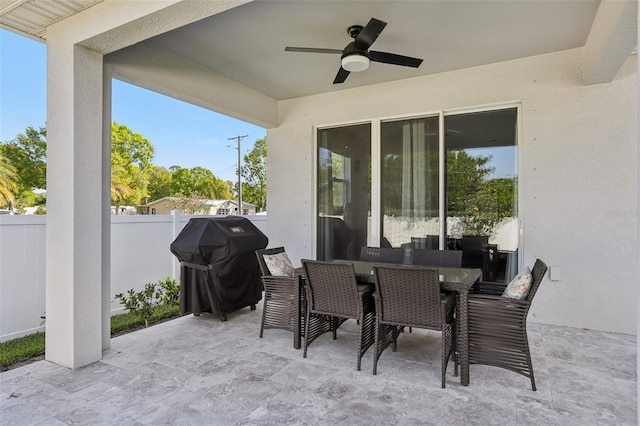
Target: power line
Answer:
pixel 238 139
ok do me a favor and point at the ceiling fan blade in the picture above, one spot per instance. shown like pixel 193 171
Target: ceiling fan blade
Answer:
pixel 312 50
pixel 392 58
pixel 341 76
pixel 369 33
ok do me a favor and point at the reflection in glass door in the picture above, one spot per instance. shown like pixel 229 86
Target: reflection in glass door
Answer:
pixel 481 190
pixel 456 190
pixel 344 191
pixel 409 183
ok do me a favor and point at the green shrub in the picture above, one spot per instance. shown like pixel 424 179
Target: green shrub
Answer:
pixel 155 302
pixel 170 291
pixel 24 348
pixel 143 303
pixel 131 320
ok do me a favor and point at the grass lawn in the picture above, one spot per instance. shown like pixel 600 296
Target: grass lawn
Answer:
pixel 30 348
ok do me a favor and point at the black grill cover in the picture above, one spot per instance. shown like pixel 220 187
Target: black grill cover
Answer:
pixel 219 269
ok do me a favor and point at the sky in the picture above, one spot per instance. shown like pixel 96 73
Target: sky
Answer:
pixel 182 134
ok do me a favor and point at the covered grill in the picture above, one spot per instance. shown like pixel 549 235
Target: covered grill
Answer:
pixel 219 271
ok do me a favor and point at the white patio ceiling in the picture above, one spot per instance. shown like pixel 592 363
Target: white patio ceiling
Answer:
pixel 246 43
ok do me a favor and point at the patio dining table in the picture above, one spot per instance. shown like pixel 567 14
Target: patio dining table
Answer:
pixel 459 280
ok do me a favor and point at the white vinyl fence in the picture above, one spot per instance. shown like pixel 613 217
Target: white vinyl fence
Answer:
pixel 139 255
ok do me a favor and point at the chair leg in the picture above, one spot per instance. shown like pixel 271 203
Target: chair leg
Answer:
pixel 456 359
pixel 376 342
pixel 443 361
pixel 529 364
pixel 533 382
pixel 449 347
pixel 359 348
pixel 306 332
pixel 264 314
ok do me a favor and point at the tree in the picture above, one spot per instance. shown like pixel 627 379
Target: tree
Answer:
pixel 479 202
pixel 465 178
pixel 131 163
pixel 159 183
pixel 182 181
pixel 119 191
pixel 27 155
pixel 198 181
pixel 8 185
pixel 133 175
pixel 209 186
pixel 254 174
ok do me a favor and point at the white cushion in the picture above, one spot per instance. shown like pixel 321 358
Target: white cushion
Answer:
pixel 279 264
pixel 519 286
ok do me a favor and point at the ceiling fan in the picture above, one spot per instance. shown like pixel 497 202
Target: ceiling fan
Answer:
pixel 356 55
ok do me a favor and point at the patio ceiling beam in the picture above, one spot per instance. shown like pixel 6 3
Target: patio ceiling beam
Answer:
pixel 154 68
pixel 613 37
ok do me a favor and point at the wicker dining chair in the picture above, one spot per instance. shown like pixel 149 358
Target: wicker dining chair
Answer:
pixel 409 296
pixel 498 326
pixel 430 242
pixel 381 254
pixel 442 258
pixel 333 296
pixel 282 307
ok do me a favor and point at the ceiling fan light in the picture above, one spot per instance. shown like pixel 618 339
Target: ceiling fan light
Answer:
pixel 355 63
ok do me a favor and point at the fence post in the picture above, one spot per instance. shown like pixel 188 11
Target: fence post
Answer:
pixel 175 215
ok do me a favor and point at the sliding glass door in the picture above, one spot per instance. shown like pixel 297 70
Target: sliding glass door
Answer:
pixel 482 190
pixel 343 191
pixel 409 182
pixel 447 181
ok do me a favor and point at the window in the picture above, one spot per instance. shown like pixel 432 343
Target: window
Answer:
pixel 409 181
pixel 481 190
pixel 435 188
pixel 343 191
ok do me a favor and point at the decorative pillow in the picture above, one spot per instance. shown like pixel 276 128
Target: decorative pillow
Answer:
pixel 279 264
pixel 519 286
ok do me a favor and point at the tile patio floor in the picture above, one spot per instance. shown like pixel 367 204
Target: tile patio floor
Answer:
pixel 200 371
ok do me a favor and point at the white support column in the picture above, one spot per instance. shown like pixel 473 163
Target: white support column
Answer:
pixel 106 209
pixel 638 222
pixel 75 219
pixel 612 38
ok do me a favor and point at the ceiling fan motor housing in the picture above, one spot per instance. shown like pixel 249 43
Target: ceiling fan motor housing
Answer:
pixel 356 56
pixel 354 59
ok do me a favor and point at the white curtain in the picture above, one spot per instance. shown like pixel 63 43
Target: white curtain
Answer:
pixel 415 152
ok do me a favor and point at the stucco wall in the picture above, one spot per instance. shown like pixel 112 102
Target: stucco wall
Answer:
pixel 578 171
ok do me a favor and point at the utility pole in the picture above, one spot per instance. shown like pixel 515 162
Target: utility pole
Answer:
pixel 238 139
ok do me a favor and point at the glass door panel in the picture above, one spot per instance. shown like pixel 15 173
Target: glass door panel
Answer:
pixel 409 183
pixel 344 191
pixel 482 190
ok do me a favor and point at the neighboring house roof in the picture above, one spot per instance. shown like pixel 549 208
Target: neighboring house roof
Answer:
pixel 216 203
